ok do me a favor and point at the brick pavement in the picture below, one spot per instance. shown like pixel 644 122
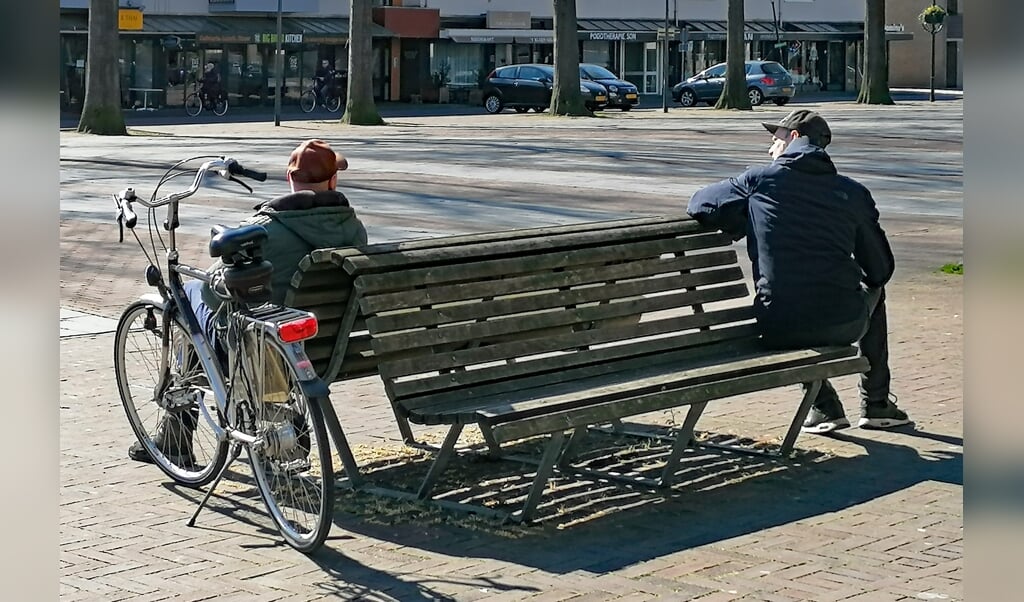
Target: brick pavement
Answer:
pixel 859 516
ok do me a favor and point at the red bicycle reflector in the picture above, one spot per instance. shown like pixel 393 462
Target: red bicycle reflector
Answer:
pixel 297 330
pixel 767 81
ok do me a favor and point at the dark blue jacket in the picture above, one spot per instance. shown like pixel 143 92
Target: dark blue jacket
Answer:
pixel 812 236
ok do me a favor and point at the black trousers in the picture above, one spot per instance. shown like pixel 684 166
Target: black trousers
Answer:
pixel 870 333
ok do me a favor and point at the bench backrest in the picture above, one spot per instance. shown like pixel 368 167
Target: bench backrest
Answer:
pixel 341 348
pixel 481 318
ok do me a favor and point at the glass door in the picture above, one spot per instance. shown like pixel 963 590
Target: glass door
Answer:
pixel 642 66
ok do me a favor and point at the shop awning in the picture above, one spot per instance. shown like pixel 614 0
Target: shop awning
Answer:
pixel 788 30
pixel 499 36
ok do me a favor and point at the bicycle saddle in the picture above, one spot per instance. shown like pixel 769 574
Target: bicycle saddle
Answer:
pixel 232 244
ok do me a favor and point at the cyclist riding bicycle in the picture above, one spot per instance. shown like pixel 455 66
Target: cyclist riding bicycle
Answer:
pixel 209 85
pixel 313 215
pixel 323 79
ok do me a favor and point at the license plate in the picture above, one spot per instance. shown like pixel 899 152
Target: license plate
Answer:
pixel 631 97
pixel 787 90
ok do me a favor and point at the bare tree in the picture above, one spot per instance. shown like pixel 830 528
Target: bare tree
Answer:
pixel 101 110
pixel 874 87
pixel 359 106
pixel 734 94
pixel 566 98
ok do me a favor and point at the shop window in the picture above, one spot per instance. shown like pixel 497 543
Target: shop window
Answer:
pixel 462 63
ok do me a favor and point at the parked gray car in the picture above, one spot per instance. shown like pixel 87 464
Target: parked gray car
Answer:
pixel 765 80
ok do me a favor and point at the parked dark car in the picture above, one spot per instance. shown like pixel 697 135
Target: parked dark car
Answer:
pixel 766 80
pixel 525 87
pixel 621 94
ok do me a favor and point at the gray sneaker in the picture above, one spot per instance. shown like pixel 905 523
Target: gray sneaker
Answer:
pixel 882 415
pixel 825 420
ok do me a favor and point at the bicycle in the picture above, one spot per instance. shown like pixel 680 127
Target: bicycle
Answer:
pixel 253 385
pixel 331 99
pixel 196 101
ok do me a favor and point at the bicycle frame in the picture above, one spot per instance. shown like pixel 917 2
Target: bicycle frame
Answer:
pixel 266 320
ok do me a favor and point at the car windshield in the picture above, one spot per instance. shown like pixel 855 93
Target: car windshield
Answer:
pixel 595 72
pixel 773 68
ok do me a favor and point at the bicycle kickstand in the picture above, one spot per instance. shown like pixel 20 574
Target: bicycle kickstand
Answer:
pixel 236 450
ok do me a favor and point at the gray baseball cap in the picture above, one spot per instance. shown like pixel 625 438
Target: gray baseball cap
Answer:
pixel 808 123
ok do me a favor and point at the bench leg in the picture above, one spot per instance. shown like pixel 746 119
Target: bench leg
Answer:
pixel 440 462
pixel 798 420
pixel 493 448
pixel 572 446
pixel 348 461
pixel 682 441
pixel 547 464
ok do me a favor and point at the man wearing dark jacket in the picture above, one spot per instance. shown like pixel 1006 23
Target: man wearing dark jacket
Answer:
pixel 313 216
pixel 820 260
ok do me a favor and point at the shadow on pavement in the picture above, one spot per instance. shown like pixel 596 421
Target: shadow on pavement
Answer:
pixel 610 526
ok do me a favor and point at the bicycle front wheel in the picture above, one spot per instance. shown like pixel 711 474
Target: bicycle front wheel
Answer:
pixel 166 422
pixel 293 465
pixel 307 101
pixel 193 104
pixel 220 106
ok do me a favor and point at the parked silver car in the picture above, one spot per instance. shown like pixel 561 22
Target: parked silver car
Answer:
pixel 765 80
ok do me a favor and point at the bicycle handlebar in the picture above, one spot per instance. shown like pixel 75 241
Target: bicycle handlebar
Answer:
pixel 226 167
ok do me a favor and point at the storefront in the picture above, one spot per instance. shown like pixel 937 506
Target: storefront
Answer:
pixel 161 63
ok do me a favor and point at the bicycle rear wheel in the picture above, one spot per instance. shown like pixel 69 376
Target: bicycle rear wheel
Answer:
pixel 220 106
pixel 333 103
pixel 307 101
pixel 293 467
pixel 167 423
pixel 193 104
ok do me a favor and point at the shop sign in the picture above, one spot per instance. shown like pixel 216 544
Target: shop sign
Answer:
pixel 613 35
pixel 508 19
pixel 894 28
pixel 129 19
pixel 271 38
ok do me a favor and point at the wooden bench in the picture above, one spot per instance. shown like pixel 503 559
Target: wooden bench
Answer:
pixel 547 331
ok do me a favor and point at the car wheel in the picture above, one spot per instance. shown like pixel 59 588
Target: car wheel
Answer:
pixel 539 109
pixel 522 109
pixel 781 100
pixel 688 98
pixel 756 97
pixel 626 108
pixel 493 104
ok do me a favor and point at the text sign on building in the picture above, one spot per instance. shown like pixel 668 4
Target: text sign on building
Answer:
pixel 508 19
pixel 129 19
pixel 271 38
pixel 894 28
pixel 613 35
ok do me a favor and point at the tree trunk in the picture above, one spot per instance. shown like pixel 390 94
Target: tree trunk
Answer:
pixel 874 87
pixel 566 98
pixel 734 93
pixel 101 110
pixel 359 106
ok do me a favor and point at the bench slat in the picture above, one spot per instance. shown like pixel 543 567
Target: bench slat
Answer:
pixel 526 326
pixel 498 308
pixel 623 408
pixel 616 383
pixel 564 368
pixel 514 246
pixel 544 365
pixel 555 278
pixel 421 364
pixel 454 270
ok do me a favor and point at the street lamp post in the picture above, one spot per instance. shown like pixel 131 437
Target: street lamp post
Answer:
pixel 932 19
pixel 279 67
pixel 664 75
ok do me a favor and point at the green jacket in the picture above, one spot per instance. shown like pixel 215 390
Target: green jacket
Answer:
pixel 296 224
